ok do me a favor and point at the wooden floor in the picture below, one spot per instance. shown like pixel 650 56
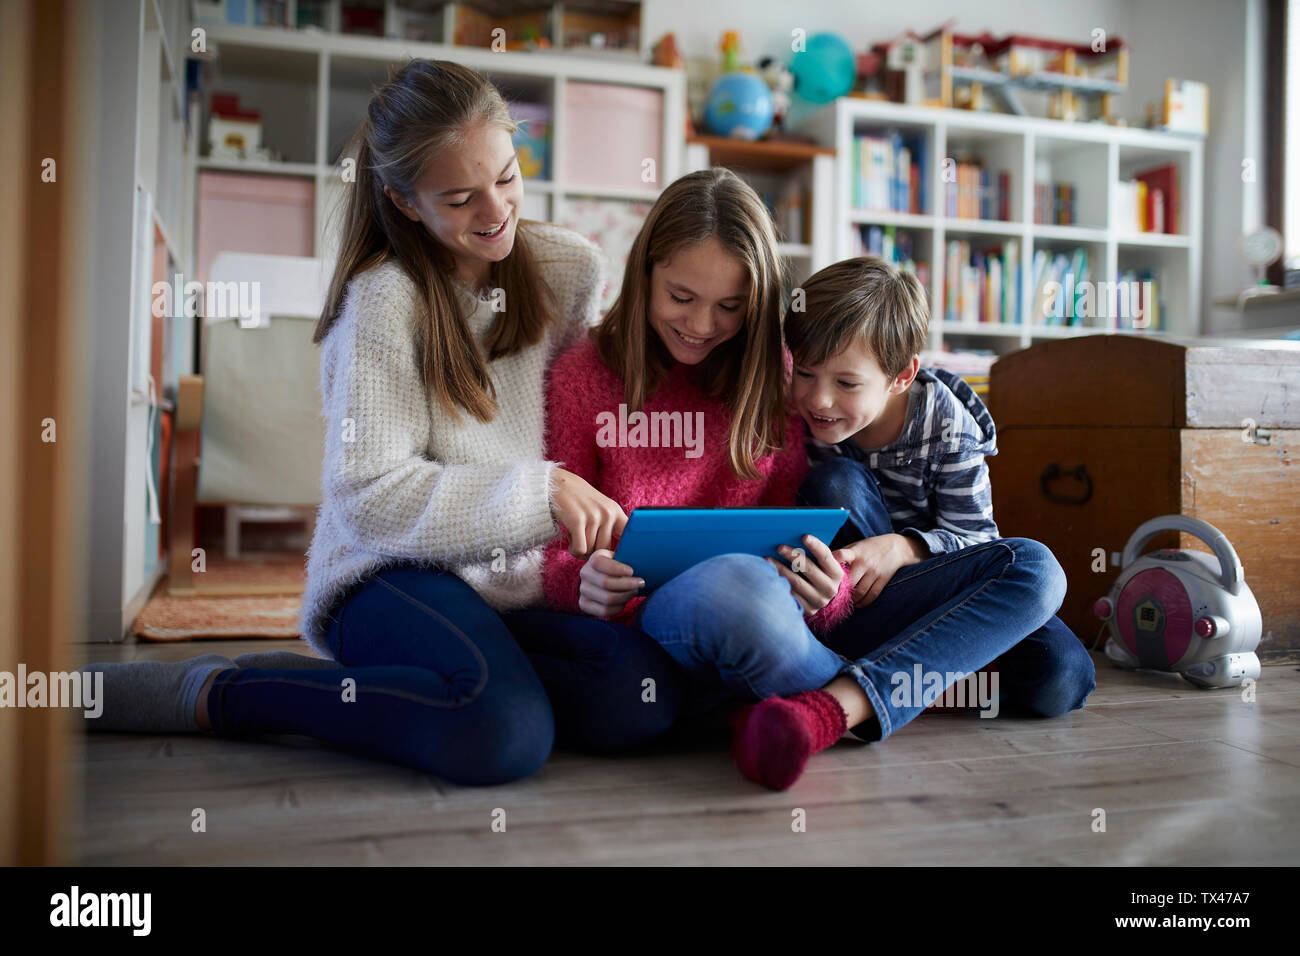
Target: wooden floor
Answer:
pixel 1184 776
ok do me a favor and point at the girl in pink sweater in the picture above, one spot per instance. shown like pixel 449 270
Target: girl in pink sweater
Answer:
pixel 692 350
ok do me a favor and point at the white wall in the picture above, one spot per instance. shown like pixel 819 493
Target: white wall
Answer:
pixel 1204 40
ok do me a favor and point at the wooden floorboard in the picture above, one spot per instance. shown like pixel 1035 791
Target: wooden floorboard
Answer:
pixel 1185 777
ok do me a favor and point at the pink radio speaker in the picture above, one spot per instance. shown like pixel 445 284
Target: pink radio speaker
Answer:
pixel 1183 611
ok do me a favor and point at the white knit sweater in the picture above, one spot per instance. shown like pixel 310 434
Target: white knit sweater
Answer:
pixel 402 481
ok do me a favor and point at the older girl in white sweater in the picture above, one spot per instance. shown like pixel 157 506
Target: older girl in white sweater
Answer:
pixel 442 318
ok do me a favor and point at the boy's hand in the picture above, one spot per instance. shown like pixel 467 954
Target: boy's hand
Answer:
pixel 607 585
pixel 813 582
pixel 873 562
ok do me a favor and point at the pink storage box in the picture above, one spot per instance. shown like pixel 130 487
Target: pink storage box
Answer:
pixel 239 212
pixel 609 131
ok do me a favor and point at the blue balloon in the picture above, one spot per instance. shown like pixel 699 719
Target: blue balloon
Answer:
pixel 740 105
pixel 825 69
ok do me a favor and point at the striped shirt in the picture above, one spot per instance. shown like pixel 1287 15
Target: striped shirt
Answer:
pixel 933 478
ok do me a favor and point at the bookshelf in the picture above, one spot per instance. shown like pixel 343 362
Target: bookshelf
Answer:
pixel 1084 165
pixel 788 174
pixel 312 88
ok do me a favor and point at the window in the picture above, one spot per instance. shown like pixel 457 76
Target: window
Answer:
pixel 1291 136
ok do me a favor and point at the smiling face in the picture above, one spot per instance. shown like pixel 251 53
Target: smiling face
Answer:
pixel 849 393
pixel 698 299
pixel 469 200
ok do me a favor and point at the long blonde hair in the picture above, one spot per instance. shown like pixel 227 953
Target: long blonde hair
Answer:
pixel 746 371
pixel 424 107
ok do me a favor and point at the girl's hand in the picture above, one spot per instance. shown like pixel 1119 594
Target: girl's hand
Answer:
pixel 607 585
pixel 592 520
pixel 874 561
pixel 812 582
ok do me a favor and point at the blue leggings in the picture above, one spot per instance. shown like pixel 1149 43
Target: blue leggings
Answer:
pixel 430 676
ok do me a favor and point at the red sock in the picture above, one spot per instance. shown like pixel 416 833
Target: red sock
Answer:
pixel 775 737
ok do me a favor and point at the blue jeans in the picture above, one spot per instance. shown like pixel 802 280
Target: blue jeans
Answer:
pixel 445 684
pixel 954 613
pixel 734 626
pixel 845 483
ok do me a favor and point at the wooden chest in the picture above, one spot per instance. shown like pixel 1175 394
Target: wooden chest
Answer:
pixel 1097 434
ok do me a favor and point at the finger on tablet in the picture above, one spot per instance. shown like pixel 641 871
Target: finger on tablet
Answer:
pixel 818 548
pixel 619 583
pixel 810 568
pixel 826 559
pixel 798 585
pixel 603 561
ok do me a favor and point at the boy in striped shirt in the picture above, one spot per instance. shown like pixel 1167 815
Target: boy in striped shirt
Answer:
pixel 901 447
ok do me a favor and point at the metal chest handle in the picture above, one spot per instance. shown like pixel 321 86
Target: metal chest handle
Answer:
pixel 1079 474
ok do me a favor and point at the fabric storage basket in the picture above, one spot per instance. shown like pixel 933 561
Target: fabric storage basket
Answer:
pixel 1100 433
pixel 609 131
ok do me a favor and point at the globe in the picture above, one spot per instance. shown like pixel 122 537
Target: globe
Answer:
pixel 825 69
pixel 740 105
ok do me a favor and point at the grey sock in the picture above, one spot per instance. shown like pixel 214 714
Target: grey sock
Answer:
pixel 152 696
pixel 284 661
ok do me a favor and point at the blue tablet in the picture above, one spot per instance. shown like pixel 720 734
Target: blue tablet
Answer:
pixel 660 543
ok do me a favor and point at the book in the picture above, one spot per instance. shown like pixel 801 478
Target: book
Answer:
pixel 1165 179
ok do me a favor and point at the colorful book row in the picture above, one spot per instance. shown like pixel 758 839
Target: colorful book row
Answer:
pixel 893 245
pixel 982 285
pixel 888 172
pixel 1149 201
pixel 1054 204
pixel 976 192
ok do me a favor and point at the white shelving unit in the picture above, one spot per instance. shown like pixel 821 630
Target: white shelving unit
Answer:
pixel 772 165
pixel 1095 157
pixel 312 88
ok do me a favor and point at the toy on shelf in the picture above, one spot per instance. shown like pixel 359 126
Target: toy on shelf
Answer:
pixel 825 69
pixel 981 72
pixel 869 84
pixel 532 39
pixel 235 132
pixel 903 60
pixel 730 49
pixel 1186 107
pixel 666 53
pixel 780 81
pixel 739 103
pixel 1069 73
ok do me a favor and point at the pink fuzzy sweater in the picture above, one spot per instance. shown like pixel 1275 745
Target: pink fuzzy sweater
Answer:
pixel 580 387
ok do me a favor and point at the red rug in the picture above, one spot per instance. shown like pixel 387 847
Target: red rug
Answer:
pixel 225 616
